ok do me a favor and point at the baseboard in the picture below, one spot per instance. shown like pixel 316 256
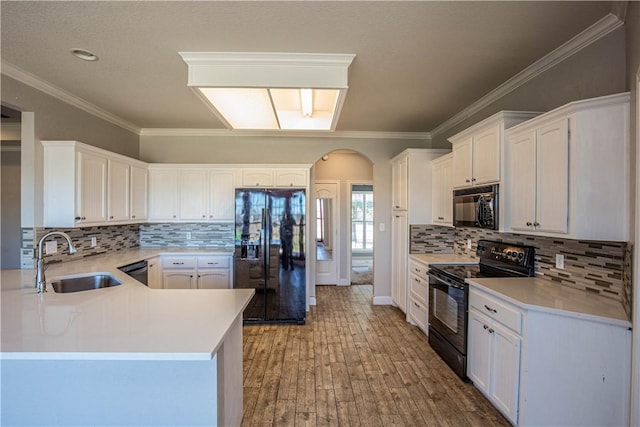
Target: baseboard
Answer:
pixel 344 282
pixel 382 301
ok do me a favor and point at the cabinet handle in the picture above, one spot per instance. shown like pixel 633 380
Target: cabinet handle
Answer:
pixel 473 179
pixel 485 327
pixel 212 263
pixel 204 216
pixel 466 180
pixel 416 304
pixel 84 217
pixel 133 216
pixel 111 217
pixel 397 207
pixel 529 224
pixel 491 330
pixel 178 263
pixel 493 310
pixel 536 224
pixel 418 280
pixel 257 184
pixel 174 216
pixel 77 218
pixel 191 276
pixel 210 216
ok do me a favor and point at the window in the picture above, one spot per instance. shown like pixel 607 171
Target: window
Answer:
pixel 362 218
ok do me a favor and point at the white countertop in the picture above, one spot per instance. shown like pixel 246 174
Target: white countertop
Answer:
pixel 125 322
pixel 443 258
pixel 542 295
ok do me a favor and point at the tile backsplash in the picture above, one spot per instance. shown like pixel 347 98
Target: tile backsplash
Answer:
pixel 603 268
pixel 209 235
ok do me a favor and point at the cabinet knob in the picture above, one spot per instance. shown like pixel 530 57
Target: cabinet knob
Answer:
pixel 529 224
pixel 473 179
pixel 84 217
pixel 110 216
pixel 485 327
pixel 133 216
pixel 210 216
pixel 77 218
pixel 204 216
pixel 467 180
pixel 174 216
pixel 536 224
pixel 491 330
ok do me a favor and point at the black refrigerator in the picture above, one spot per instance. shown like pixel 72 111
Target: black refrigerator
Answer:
pixel 270 253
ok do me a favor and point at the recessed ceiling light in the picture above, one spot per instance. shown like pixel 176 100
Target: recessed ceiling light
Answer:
pixel 84 54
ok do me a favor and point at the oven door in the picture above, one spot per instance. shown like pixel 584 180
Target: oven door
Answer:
pixel 448 311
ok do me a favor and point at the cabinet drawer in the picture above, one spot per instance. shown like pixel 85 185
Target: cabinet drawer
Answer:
pixel 418 313
pixel 418 269
pixel 213 261
pixel 494 308
pixel 174 262
pixel 419 287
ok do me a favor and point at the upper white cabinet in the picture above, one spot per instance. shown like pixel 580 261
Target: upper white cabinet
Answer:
pixel 194 194
pixel 399 172
pixel 275 177
pixel 569 172
pixel 258 177
pixel 442 190
pixel 222 200
pixel 139 193
pixel 478 150
pixel 85 185
pixel 292 178
pixel 163 194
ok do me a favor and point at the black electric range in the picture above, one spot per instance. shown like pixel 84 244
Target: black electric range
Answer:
pixel 449 295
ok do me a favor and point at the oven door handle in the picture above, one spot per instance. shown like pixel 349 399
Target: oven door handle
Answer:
pixel 442 284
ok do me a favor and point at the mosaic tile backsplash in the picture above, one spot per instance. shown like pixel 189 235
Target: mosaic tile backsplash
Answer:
pixel 108 239
pixel 603 268
pixel 214 235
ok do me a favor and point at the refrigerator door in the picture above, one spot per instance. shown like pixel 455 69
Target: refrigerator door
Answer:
pixel 270 254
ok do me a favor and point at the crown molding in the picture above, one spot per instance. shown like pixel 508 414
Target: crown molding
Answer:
pixel 423 136
pixel 35 82
pixel 595 32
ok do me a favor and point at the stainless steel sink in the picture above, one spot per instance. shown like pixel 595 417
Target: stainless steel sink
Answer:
pixel 84 283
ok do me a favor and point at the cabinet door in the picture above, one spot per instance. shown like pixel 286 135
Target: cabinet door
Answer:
pixel 522 182
pixel 436 193
pixel 479 350
pixel 291 178
pixel 213 279
pixel 194 194
pixel 118 191
pixel 505 370
pixel 399 173
pixel 552 178
pixel 139 193
pixel 163 194
pixel 222 195
pixel 257 178
pixel 462 158
pixel 154 276
pixel 447 192
pixel 178 280
pixel 92 191
pixel 399 251
pixel 486 156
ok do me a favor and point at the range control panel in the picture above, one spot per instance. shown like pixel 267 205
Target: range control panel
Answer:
pixel 505 253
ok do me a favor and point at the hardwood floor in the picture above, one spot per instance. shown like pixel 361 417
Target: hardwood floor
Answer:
pixel 353 364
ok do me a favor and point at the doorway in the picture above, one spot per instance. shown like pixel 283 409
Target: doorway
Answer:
pixel 327 196
pixel 362 233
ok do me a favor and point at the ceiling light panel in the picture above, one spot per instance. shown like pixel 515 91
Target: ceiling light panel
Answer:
pixel 243 108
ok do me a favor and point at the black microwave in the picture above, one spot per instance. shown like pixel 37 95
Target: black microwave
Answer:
pixel 476 207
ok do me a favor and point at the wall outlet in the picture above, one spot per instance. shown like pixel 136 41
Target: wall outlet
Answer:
pixel 51 247
pixel 560 261
pixel 94 241
pixel 188 235
pixel 382 226
pixel 468 243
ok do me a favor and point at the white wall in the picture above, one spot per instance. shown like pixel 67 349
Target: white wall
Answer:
pixel 292 150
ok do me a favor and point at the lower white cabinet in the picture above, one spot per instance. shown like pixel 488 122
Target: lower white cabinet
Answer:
pixel 196 272
pixel 544 367
pixel 418 290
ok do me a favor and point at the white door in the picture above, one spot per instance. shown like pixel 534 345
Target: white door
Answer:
pixel 213 279
pixel 328 227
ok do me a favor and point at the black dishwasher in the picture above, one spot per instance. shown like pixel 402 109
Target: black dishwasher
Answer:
pixel 137 270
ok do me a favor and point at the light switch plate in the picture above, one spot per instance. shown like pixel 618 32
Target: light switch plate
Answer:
pixel 382 226
pixel 188 235
pixel 560 261
pixel 51 247
pixel 468 243
pixel 94 241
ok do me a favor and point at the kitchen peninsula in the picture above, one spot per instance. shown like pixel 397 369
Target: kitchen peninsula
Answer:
pixel 125 355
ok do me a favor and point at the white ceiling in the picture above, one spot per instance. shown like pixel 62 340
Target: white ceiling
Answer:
pixel 417 63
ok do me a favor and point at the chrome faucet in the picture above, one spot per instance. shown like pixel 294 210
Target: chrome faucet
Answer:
pixel 41 281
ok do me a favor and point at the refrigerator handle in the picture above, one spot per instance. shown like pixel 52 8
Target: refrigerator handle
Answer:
pixel 266 227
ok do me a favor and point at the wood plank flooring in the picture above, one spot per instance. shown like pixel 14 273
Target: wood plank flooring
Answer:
pixel 353 364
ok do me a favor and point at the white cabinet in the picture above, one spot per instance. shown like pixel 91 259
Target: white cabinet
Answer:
pixel 139 193
pixel 258 178
pixel 194 194
pixel 163 194
pixel 210 271
pixel 418 285
pixel 297 178
pixel 494 361
pixel 539 190
pixel 442 190
pixel 154 273
pixel 478 150
pixel 85 185
pixel 222 195
pixel 400 250
pixel 568 172
pixel 275 176
pixel 412 204
pixel 546 366
pixel 118 190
